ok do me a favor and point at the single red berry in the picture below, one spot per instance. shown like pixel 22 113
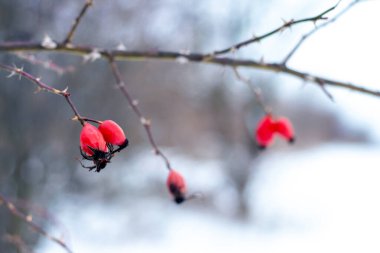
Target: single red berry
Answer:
pixel 113 133
pixel 176 186
pixel 92 139
pixel 285 129
pixel 264 131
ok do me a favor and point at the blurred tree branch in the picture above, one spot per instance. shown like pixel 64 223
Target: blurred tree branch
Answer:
pixel 28 219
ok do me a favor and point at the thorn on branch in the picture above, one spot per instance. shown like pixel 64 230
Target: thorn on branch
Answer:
pixel 48 42
pixel 182 59
pixel 121 47
pixel 93 56
pixel 145 122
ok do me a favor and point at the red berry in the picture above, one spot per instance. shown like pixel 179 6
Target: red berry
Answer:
pixel 285 129
pixel 112 133
pixel 264 132
pixel 91 137
pixel 176 186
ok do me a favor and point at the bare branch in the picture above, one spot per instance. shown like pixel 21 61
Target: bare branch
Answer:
pixel 307 35
pixel 29 221
pixel 69 36
pixel 287 24
pixel 191 57
pixel 132 102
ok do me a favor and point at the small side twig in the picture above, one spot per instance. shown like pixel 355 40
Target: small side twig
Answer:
pixel 286 24
pixel 70 35
pixel 133 103
pixel 307 35
pixel 28 219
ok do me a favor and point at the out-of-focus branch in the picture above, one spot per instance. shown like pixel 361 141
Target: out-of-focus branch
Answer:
pixel 69 36
pixel 287 24
pixel 50 65
pixel 18 242
pixel 147 124
pixel 254 89
pixel 28 219
pixel 44 87
pixel 317 28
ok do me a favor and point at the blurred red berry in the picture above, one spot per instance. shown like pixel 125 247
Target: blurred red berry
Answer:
pixel 285 129
pixel 176 186
pixel 265 131
pixel 92 139
pixel 113 133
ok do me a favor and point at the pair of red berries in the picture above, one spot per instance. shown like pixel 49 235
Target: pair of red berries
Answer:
pixel 268 127
pixel 97 144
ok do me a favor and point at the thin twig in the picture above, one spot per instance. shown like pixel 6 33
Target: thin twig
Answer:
pixel 133 103
pixel 254 89
pixel 69 36
pixel 287 24
pixel 43 87
pixel 307 35
pixel 28 220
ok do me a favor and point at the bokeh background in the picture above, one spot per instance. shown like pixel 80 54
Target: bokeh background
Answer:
pixel 320 194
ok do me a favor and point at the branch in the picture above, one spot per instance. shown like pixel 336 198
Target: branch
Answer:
pixel 122 55
pixel 77 20
pixel 28 220
pixel 44 87
pixel 307 35
pixel 134 104
pixel 286 24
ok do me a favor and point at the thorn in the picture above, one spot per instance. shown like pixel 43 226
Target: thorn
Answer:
pixel 29 218
pixel 66 89
pixel 48 43
pixel 13 73
pixel 93 56
pixel 135 102
pixel 145 122
pixel 182 60
pixel 121 47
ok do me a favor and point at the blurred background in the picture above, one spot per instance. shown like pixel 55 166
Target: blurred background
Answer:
pixel 319 194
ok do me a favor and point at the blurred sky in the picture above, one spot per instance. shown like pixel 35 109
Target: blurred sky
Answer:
pixel 321 199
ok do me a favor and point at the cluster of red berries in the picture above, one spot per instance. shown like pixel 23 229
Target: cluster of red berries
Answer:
pixel 98 144
pixel 268 127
